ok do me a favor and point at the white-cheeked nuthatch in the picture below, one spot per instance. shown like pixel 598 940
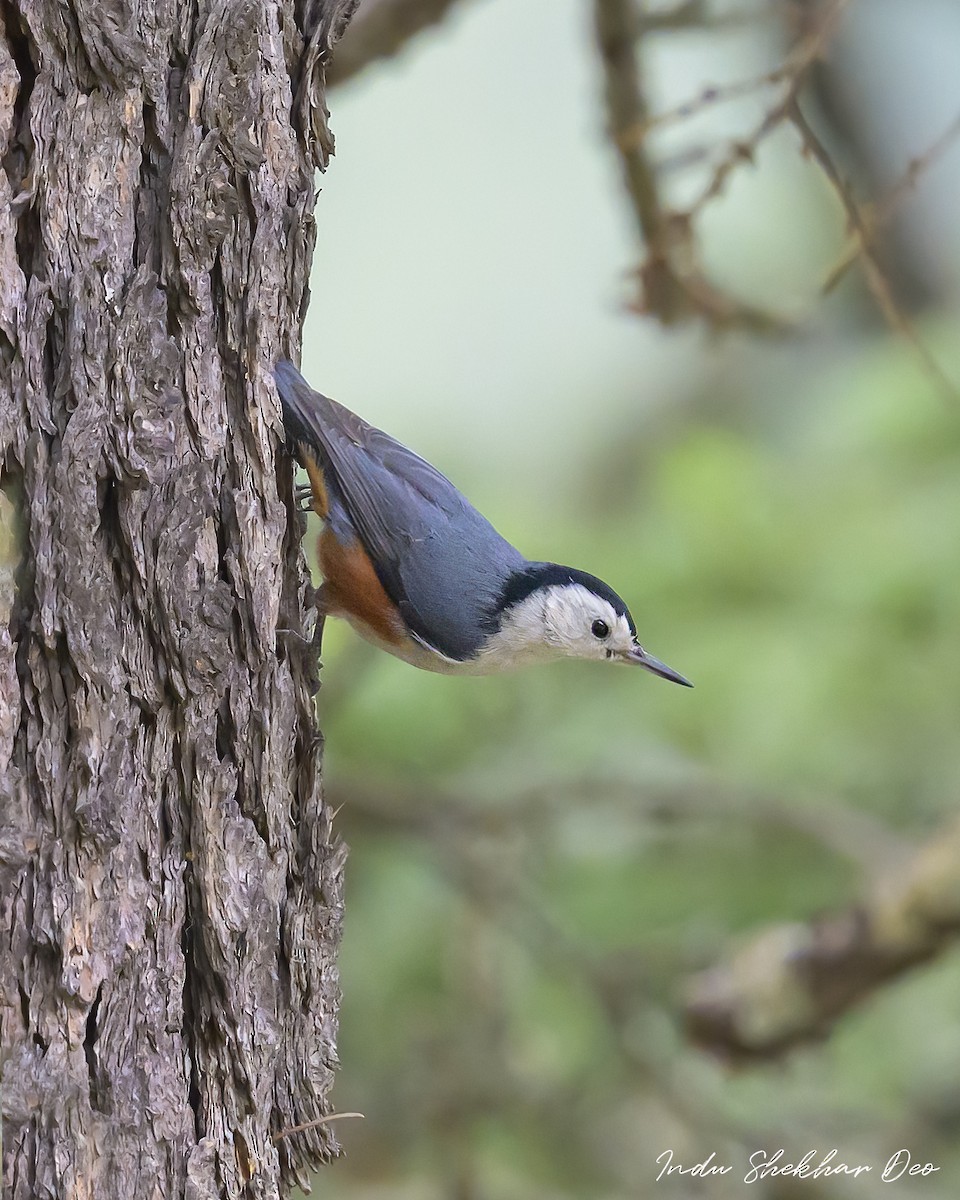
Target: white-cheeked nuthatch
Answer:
pixel 415 569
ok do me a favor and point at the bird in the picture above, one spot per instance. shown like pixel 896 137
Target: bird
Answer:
pixel 419 572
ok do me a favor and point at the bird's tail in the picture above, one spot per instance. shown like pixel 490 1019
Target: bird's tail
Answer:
pixel 304 414
pixel 312 419
pixel 303 408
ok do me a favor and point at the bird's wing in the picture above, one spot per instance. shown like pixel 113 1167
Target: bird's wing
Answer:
pixel 439 560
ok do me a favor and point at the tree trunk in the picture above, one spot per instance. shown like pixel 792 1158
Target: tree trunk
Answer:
pixel 170 887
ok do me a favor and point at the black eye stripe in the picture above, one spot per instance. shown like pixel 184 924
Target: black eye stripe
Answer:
pixel 600 629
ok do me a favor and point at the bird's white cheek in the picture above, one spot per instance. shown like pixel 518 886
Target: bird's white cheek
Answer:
pixel 515 644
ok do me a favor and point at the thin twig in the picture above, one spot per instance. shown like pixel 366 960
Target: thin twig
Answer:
pixel 793 74
pixel 876 278
pixel 672 284
pixel 710 97
pixel 285 1133
pixel 698 14
pixel 885 209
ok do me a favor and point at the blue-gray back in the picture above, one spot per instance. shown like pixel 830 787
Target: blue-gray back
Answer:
pixel 439 560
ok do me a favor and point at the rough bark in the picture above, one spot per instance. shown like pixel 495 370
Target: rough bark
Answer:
pixel 170 886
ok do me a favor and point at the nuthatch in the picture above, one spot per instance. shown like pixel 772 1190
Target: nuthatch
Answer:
pixel 416 570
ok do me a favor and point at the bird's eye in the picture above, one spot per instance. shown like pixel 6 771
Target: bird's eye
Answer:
pixel 600 629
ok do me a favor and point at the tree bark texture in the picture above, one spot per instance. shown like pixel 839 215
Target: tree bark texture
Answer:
pixel 170 886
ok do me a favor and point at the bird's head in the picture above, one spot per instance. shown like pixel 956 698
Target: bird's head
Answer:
pixel 548 611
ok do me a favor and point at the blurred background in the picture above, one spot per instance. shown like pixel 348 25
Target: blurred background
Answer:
pixel 592 917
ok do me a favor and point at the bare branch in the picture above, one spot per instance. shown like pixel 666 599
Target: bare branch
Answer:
pixel 876 278
pixel 673 287
pixel 791 982
pixel 698 14
pixel 792 74
pixel 885 209
pixel 616 29
pixel 380 30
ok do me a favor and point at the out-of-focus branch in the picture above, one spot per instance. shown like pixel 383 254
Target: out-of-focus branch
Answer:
pixel 424 808
pixel 617 29
pixel 791 77
pixel 790 983
pixel 696 14
pixel 380 30
pixel 791 73
pixel 876 277
pixel 884 210
pixel 672 285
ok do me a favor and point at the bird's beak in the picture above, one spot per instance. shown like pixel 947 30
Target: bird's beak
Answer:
pixel 640 658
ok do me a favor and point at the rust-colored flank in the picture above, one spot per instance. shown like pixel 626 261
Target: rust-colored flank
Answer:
pixel 350 584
